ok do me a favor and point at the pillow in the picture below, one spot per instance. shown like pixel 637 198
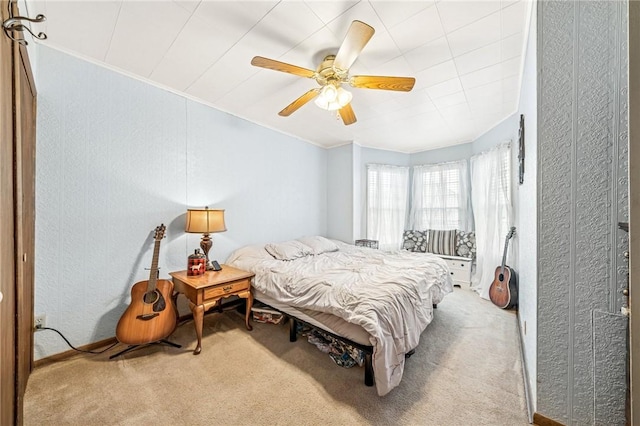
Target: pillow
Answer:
pixel 248 257
pixel 253 252
pixel 319 244
pixel 442 242
pixel 288 250
pixel 466 244
pixel 414 241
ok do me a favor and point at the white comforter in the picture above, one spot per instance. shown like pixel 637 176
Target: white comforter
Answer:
pixel 389 294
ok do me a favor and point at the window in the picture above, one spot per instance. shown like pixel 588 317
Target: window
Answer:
pixel 440 197
pixel 387 188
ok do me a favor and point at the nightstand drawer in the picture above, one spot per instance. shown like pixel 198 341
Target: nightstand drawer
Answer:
pixel 227 288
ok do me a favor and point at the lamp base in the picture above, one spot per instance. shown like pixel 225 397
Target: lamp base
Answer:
pixel 205 245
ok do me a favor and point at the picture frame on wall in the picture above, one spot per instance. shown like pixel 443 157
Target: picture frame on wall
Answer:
pixel 521 150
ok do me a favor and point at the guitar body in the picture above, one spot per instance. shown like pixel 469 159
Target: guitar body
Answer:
pixel 503 291
pixel 504 288
pixel 150 317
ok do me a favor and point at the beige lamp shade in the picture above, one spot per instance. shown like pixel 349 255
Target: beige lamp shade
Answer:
pixel 204 221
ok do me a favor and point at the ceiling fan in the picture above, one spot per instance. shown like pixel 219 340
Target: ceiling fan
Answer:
pixel 333 72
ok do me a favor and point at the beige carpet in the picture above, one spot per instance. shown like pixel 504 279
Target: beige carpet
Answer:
pixel 466 371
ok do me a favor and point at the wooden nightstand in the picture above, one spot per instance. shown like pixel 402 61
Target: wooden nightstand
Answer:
pixel 205 291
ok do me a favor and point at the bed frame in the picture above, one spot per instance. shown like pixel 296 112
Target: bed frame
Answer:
pixel 369 379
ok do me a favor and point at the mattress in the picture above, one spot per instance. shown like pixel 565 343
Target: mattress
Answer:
pixel 375 298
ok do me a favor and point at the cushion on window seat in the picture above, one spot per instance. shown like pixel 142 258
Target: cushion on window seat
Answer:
pixel 466 244
pixel 442 242
pixel 452 242
pixel 413 240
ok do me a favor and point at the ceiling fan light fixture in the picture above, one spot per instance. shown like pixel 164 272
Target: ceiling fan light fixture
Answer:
pixel 330 92
pixel 344 97
pixel 333 98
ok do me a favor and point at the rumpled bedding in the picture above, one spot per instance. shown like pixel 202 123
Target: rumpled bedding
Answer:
pixel 389 294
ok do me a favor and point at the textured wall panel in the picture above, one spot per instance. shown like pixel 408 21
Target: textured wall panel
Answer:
pixel 593 163
pixel 555 238
pixel 610 373
pixel 582 142
pixel 620 202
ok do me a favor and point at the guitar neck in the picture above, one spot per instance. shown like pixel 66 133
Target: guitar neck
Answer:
pixel 506 246
pixel 153 274
pixel 504 254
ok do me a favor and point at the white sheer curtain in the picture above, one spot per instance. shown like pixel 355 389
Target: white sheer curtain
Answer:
pixel 492 211
pixel 387 189
pixel 441 197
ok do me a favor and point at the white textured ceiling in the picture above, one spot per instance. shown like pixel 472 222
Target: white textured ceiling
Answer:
pixel 466 57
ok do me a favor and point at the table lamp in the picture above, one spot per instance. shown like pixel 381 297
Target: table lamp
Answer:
pixel 205 221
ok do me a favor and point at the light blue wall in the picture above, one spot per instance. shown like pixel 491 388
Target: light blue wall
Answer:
pixel 506 130
pixel 348 174
pixel 117 157
pixel 341 189
pixel 359 191
pixel 347 187
pixel 525 242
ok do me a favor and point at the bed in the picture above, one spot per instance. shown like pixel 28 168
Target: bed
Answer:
pixel 376 299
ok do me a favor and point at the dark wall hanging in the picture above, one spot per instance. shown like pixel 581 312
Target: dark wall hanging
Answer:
pixel 521 149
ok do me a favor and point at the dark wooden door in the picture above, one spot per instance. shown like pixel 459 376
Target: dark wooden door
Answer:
pixel 25 207
pixel 7 233
pixel 17 222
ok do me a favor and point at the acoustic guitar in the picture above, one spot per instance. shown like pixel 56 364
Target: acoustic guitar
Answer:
pixel 504 289
pixel 152 315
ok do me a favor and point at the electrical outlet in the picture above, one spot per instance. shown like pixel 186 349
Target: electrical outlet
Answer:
pixel 39 321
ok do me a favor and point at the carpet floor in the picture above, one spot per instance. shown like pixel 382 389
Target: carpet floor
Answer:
pixel 466 371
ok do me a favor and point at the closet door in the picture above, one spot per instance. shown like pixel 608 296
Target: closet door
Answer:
pixel 17 222
pixel 7 234
pixel 25 207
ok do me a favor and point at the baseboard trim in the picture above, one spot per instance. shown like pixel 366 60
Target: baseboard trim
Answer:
pixel 540 420
pixel 111 340
pixel 525 375
pixel 70 353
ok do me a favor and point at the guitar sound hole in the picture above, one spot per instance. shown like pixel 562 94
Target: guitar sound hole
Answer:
pixel 151 297
pixel 501 277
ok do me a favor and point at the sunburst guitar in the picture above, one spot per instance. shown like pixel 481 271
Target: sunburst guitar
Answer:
pixel 504 288
pixel 152 315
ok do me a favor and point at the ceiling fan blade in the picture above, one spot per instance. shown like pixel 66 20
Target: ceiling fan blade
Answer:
pixel 402 84
pixel 356 39
pixel 293 106
pixel 259 61
pixel 347 114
